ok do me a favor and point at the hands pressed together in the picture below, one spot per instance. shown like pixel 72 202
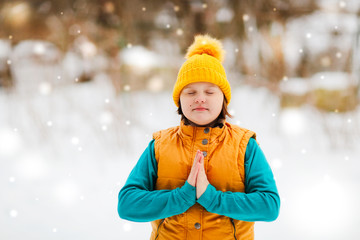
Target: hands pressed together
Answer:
pixel 197 177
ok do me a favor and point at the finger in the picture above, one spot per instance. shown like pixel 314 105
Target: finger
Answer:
pixel 202 169
pixel 200 178
pixel 201 159
pixel 196 156
pixel 194 174
pixel 198 166
pixel 196 159
pixel 192 179
pixel 195 168
pixel 200 156
pixel 194 163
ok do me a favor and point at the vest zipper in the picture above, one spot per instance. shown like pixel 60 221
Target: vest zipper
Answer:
pixel 232 222
pixel 157 232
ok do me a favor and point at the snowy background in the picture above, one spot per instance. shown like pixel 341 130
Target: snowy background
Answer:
pixel 70 134
pixel 64 157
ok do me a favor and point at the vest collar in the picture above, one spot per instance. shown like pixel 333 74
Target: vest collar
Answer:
pixel 198 133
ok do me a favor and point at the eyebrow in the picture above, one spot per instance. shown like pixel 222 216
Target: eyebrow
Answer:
pixel 191 88
pixel 187 88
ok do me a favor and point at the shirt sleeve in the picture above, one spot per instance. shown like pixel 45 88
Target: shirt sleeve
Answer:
pixel 139 202
pixel 260 202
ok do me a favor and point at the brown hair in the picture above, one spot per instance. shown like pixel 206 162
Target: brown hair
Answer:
pixel 219 121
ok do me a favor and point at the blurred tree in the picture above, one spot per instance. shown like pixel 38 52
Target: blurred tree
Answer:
pixel 113 25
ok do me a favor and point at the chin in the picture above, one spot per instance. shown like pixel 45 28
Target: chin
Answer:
pixel 201 123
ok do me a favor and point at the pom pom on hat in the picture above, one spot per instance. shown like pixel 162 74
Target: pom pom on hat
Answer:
pixel 204 44
pixel 203 64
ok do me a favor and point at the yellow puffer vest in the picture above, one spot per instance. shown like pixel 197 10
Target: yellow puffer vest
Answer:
pixel 224 150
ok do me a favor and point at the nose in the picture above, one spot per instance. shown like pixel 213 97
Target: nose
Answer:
pixel 200 99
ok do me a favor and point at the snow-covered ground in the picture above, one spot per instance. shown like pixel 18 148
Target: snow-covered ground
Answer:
pixel 66 152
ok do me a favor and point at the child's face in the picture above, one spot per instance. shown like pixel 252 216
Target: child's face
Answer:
pixel 201 102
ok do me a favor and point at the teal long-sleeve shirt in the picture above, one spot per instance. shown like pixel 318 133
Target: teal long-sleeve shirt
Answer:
pixel 140 202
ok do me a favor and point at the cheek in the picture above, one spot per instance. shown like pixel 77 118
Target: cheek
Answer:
pixel 219 108
pixel 185 102
pixel 218 102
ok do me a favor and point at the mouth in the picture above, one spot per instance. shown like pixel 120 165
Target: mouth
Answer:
pixel 200 109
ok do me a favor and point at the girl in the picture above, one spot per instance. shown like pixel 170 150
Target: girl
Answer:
pixel 205 179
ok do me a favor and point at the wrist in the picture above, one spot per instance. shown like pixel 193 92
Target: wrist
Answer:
pixel 207 197
pixel 189 193
pixel 192 183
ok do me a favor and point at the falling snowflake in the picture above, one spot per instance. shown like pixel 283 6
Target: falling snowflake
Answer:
pixel 13 213
pixel 75 140
pixel 342 4
pixel 127 227
pixel 127 88
pixel 179 32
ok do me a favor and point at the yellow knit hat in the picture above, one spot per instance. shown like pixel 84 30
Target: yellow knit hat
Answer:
pixel 203 64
